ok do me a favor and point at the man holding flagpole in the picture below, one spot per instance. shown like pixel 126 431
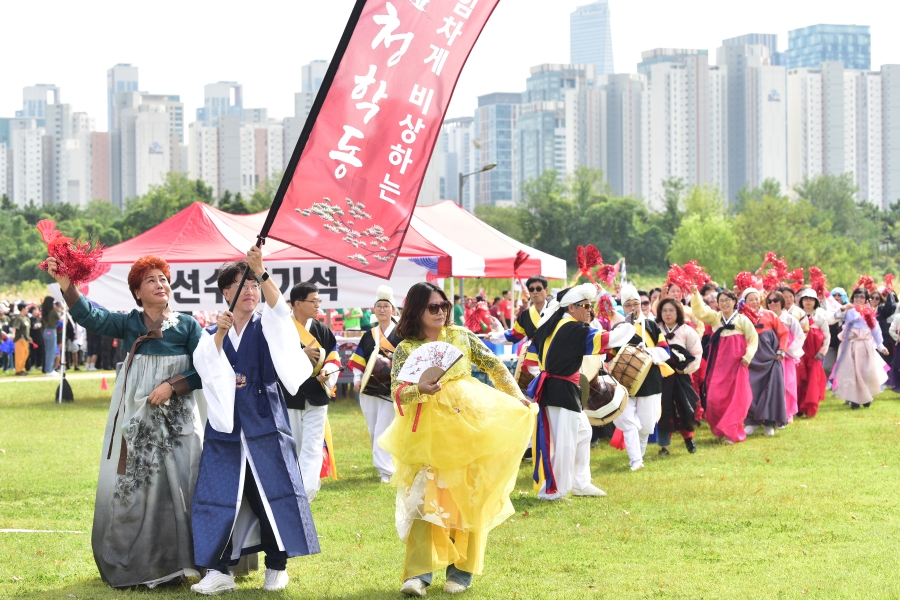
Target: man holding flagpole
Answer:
pixel 249 494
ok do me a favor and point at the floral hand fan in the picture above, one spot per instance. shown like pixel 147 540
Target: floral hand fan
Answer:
pixel 429 362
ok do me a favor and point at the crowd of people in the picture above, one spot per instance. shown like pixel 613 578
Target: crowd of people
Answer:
pixel 31 339
pixel 218 425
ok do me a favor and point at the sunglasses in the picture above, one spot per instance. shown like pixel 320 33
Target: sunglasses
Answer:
pixel 438 307
pixel 585 306
pixel 772 300
pixel 536 289
pixel 645 303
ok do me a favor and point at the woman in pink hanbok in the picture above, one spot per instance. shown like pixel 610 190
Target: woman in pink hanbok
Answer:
pixel 726 389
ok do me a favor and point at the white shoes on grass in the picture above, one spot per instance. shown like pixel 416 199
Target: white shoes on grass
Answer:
pixel 275 580
pixel 590 490
pixel 214 583
pixel 413 587
pixel 219 583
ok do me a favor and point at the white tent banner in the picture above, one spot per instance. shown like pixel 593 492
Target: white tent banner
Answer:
pixel 194 284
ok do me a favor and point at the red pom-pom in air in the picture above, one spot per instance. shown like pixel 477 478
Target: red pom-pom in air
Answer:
pixel 817 281
pixel 76 260
pixel 744 280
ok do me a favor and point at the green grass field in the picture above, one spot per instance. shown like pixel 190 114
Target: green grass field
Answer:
pixel 811 513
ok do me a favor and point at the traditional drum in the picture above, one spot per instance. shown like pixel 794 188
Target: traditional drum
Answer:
pixel 630 367
pixel 376 379
pixel 522 376
pixel 602 397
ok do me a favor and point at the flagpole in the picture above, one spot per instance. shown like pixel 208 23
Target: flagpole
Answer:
pixel 304 135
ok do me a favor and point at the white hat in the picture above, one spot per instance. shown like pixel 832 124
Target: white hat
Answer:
pixel 748 291
pixel 628 292
pixel 585 291
pixel 385 293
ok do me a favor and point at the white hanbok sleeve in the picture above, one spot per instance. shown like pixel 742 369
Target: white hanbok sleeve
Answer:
pixel 218 383
pixel 795 350
pixel 291 363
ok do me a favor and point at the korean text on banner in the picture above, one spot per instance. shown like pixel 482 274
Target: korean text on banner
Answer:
pixel 354 188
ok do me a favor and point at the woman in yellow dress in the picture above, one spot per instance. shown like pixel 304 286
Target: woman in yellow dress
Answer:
pixel 457 445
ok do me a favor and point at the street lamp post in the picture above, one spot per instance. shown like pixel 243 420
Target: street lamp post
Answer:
pixel 464 176
pixel 459 192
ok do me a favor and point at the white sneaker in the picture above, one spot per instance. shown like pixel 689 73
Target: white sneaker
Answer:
pixel 750 429
pixel 52 374
pixel 781 427
pixel 590 490
pixel 727 441
pixel 451 587
pixel 275 580
pixel 413 587
pixel 214 583
pixel 769 431
pixel 637 467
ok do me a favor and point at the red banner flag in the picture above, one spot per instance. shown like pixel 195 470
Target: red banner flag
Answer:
pixel 350 189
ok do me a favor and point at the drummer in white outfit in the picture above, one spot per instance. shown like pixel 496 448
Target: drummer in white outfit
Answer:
pixel 377 409
pixel 644 408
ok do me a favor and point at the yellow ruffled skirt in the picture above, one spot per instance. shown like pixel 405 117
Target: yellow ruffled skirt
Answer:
pixel 455 472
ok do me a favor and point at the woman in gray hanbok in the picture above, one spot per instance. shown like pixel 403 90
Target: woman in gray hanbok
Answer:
pixel 151 448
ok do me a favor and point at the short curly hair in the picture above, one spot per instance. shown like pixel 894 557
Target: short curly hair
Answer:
pixel 140 267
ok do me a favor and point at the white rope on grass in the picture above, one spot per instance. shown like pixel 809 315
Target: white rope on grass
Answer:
pixel 38 531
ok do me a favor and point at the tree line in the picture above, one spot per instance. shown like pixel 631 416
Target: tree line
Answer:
pixel 819 224
pixel 22 249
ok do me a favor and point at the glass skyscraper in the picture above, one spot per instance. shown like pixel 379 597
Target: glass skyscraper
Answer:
pixel 811 46
pixel 590 37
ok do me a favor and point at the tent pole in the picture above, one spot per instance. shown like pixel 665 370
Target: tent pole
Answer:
pixel 62 357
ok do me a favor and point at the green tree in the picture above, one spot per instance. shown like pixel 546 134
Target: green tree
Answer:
pixel 706 234
pixel 161 202
pixel 503 219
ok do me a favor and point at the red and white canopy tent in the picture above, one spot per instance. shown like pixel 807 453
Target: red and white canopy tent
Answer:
pixel 197 240
pixel 498 250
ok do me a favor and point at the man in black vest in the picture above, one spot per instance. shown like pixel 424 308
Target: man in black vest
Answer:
pixel 308 409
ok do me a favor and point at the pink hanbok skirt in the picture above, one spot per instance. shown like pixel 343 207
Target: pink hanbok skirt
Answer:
pixel 860 371
pixel 728 395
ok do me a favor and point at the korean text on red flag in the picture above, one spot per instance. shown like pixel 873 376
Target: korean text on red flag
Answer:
pixel 353 191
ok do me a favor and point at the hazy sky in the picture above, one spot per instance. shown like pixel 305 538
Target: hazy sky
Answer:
pixel 181 45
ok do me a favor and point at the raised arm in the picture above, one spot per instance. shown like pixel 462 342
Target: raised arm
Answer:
pixel 701 311
pixel 99 320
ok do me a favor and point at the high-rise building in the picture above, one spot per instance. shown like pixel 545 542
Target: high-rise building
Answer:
pixel 35 98
pixel 840 121
pixel 757 114
pixel 145 137
pixel 4 173
pixel 221 98
pixel 58 125
pixel 204 154
pixel 311 76
pixel 769 40
pixel 624 147
pixel 100 166
pixel 454 154
pixel 890 93
pixel 121 78
pixel 540 134
pixel 28 162
pixel 810 46
pixel 494 126
pixel 677 134
pixel 590 37
pixel 585 129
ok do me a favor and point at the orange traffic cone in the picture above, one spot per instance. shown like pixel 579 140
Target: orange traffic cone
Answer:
pixel 103 384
